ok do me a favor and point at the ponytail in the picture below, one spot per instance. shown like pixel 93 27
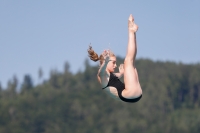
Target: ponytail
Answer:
pixel 94 56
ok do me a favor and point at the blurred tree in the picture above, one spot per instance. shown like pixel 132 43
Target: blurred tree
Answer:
pixel 11 89
pixel 27 83
pixel 0 90
pixel 67 76
pixel 1 87
pixel 40 74
pixel 86 64
pixel 66 67
pixel 54 78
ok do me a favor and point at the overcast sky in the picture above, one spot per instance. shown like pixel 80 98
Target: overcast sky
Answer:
pixel 45 34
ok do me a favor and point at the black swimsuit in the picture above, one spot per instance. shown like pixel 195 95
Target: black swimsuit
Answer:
pixel 115 82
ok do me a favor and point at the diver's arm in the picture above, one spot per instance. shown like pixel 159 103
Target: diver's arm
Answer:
pixel 121 71
pixel 102 70
pixel 119 75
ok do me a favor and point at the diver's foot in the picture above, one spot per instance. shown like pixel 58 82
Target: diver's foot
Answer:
pixel 132 27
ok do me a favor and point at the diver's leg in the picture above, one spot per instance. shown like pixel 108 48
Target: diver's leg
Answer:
pixel 131 80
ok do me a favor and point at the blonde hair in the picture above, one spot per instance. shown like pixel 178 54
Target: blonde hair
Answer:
pixel 94 56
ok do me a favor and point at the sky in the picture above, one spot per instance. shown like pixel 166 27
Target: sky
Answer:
pixel 46 34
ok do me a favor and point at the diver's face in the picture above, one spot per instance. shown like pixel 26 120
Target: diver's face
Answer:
pixel 111 64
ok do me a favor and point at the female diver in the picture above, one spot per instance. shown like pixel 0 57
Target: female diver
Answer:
pixel 130 90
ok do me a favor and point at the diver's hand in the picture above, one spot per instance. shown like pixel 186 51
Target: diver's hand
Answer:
pixel 121 68
pixel 106 55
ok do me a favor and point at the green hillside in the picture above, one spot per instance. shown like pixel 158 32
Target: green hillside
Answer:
pixel 75 103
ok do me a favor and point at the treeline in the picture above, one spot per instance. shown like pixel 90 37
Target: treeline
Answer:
pixel 75 103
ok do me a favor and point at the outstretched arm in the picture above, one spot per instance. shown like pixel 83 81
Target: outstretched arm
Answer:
pixel 102 69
